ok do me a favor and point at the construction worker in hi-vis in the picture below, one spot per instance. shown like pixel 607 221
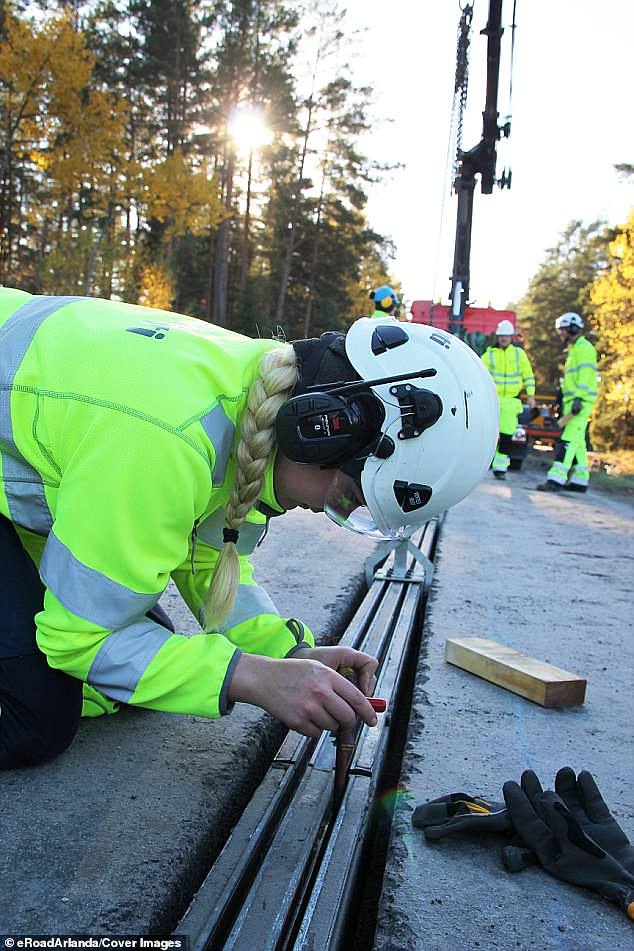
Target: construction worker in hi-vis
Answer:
pixel 579 393
pixel 385 301
pixel 138 446
pixel 511 372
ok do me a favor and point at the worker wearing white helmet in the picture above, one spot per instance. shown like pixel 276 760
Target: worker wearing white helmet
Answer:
pixel 406 424
pixel 512 372
pixel 212 433
pixel 579 390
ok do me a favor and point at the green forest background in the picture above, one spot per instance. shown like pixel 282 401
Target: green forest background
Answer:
pixel 122 177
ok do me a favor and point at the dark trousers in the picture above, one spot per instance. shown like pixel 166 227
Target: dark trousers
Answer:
pixel 505 444
pixel 40 707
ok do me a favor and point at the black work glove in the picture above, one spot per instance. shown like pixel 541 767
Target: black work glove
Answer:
pixel 584 800
pixel 459 812
pixel 547 827
pixel 577 406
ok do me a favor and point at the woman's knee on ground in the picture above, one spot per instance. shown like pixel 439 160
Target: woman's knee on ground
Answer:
pixel 37 725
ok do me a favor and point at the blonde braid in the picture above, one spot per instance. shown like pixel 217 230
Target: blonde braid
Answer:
pixel 277 375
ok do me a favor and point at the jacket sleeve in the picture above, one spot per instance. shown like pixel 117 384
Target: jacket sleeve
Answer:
pixel 528 377
pixel 487 359
pixel 254 625
pixel 126 505
pixel 586 376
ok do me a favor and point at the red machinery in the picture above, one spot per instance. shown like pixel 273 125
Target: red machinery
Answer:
pixel 477 320
pixel 479 326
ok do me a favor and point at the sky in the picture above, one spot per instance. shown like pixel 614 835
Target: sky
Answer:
pixel 571 122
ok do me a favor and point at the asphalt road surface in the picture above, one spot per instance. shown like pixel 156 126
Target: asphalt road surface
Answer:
pixel 550 575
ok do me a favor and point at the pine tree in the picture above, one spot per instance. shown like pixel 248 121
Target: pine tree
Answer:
pixel 252 72
pixel 562 283
pixel 61 140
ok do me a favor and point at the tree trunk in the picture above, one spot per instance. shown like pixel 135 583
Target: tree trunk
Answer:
pixel 219 296
pixel 5 212
pixel 314 257
pixel 292 225
pixel 210 277
pixel 92 259
pixel 245 245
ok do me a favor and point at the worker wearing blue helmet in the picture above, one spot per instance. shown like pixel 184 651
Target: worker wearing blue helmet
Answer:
pixel 384 301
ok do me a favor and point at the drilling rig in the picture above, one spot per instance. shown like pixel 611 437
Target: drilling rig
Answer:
pixel 473 324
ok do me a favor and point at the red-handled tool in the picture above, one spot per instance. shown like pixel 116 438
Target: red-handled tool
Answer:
pixel 346 741
pixel 378 704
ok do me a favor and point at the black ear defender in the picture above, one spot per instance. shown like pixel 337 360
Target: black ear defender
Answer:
pixel 337 423
pixel 327 428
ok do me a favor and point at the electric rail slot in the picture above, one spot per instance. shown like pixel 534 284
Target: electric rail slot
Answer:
pixel 287 877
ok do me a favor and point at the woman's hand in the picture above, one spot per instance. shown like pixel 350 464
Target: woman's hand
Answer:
pixel 306 694
pixel 363 664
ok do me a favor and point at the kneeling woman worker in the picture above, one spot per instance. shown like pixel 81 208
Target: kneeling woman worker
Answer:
pixel 138 446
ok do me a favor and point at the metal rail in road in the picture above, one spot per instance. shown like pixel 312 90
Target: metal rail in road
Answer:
pixel 291 873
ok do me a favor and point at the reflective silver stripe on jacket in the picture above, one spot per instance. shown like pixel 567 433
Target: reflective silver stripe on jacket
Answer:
pixel 581 366
pixel 24 490
pixel 210 531
pixel 220 430
pixel 87 593
pixel 124 657
pixel 252 600
pixel 23 484
pixel 498 375
pixel 580 386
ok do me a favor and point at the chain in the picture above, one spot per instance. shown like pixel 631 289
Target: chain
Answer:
pixel 513 28
pixel 454 142
pixel 461 84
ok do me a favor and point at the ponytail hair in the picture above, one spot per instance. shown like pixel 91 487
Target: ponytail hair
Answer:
pixel 277 377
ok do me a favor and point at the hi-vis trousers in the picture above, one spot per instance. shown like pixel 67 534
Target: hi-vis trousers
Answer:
pixel 571 455
pixel 510 408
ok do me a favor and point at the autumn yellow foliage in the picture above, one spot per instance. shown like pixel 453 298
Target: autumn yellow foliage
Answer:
pixel 71 135
pixel 186 198
pixel 156 287
pixel 612 298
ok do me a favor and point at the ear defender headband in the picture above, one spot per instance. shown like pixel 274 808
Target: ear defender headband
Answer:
pixel 340 422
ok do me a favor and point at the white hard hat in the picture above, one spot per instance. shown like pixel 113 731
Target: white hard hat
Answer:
pixel 438 434
pixel 505 328
pixel 569 319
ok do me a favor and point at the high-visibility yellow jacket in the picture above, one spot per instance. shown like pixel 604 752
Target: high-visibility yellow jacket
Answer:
pixel 580 375
pixel 511 370
pixel 117 432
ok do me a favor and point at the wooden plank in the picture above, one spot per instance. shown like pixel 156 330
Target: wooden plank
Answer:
pixel 534 679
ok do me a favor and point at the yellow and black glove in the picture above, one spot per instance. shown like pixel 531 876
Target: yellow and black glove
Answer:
pixel 459 812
